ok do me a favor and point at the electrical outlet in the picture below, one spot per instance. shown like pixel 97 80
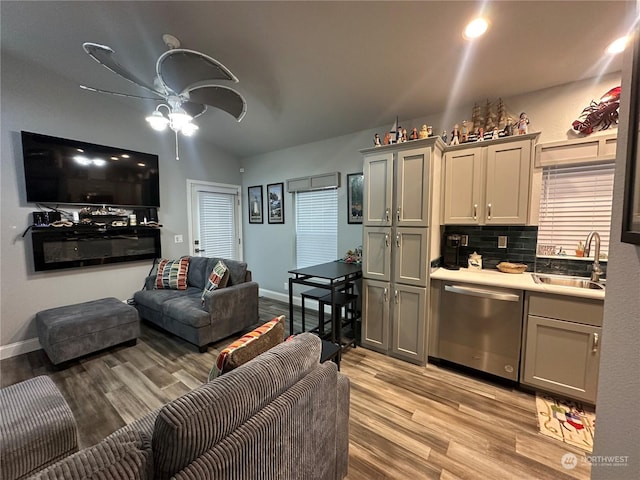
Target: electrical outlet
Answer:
pixel 178 239
pixel 502 241
pixel 286 286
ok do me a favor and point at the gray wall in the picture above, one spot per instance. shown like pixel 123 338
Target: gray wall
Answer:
pixel 37 101
pixel 618 423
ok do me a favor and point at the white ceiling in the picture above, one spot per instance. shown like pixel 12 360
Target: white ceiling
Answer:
pixel 316 69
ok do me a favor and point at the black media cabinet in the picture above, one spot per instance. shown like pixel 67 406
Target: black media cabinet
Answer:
pixel 84 245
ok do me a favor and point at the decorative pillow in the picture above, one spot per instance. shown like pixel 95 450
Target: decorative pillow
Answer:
pixel 218 279
pixel 172 274
pixel 249 346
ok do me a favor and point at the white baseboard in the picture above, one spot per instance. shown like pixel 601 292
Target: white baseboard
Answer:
pixel 18 348
pixel 281 297
pixel 284 297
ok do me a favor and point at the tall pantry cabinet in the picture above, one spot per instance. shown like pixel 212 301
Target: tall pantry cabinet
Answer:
pixel 398 245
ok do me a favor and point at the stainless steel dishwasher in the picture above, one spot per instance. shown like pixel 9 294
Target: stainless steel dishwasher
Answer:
pixel 480 327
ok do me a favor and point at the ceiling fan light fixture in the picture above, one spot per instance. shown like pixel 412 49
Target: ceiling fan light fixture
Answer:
pixel 157 121
pixel 189 129
pixel 178 119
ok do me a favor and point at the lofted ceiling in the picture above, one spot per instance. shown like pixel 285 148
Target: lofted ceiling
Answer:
pixel 314 70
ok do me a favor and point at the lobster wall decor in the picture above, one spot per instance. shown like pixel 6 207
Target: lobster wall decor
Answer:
pixel 603 113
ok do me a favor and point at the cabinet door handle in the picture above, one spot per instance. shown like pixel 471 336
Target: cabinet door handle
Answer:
pixel 398 213
pixel 488 211
pixel 395 296
pixel 398 240
pixel 596 343
pixel 386 214
pixel 384 295
pixel 475 211
pixel 386 239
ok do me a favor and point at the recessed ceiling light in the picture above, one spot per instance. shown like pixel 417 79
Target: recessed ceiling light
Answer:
pixel 618 45
pixel 475 28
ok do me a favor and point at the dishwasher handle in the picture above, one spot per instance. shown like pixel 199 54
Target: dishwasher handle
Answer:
pixel 478 292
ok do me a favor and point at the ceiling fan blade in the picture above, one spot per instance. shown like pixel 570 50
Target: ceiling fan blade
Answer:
pixel 104 56
pixel 118 94
pixel 194 109
pixel 217 96
pixel 179 68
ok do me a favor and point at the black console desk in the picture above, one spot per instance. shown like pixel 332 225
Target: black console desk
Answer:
pixel 333 276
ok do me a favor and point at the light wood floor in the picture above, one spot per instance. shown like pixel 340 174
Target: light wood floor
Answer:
pixel 406 422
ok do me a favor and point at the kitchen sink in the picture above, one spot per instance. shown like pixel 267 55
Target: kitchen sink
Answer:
pixel 564 281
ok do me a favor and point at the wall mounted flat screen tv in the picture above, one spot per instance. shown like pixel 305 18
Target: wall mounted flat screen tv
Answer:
pixel 63 171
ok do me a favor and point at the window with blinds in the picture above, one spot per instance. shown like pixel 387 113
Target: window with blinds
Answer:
pixel 316 227
pixel 574 201
pixel 217 224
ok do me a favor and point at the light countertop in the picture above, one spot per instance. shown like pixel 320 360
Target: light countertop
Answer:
pixel 519 281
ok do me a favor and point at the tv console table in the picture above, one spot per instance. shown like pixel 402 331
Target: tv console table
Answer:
pixel 85 245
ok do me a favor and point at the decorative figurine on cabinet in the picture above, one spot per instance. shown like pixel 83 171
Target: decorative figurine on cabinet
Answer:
pixel 464 132
pixel 455 135
pixel 414 134
pixel 523 124
pixel 399 134
pixel 387 138
pixel 444 136
pixel 404 134
pixel 480 134
pixel 429 131
pixel 376 141
pixel 495 134
pixel 423 132
pixel 508 128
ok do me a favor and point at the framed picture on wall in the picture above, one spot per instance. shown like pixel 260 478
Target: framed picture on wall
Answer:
pixel 631 206
pixel 255 204
pixel 275 202
pixel 355 185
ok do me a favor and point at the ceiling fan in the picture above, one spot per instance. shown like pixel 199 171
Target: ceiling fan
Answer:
pixel 184 84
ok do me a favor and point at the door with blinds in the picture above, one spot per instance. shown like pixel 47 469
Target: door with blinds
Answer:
pixel 215 220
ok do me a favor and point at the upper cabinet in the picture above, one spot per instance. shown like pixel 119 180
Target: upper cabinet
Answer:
pixel 397 188
pixel 488 182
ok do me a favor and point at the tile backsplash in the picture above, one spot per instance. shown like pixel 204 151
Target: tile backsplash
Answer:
pixel 521 248
pixel 521 244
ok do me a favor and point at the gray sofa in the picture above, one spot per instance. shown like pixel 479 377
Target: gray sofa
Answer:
pixel 226 311
pixel 282 415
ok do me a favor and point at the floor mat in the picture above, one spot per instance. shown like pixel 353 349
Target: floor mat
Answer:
pixel 567 421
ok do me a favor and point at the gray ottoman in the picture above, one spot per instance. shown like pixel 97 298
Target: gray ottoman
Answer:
pixel 37 427
pixel 69 332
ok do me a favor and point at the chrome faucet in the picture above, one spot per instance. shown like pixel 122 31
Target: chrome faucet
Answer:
pixel 596 271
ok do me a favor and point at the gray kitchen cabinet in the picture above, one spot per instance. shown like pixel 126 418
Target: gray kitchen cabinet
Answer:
pixel 375 308
pixel 395 319
pixel 561 351
pixel 395 247
pixel 408 247
pixel 396 190
pixel 488 182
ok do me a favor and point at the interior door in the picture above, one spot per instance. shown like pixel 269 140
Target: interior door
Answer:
pixel 215 220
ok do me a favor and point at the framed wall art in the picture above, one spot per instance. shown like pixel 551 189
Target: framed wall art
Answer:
pixel 275 203
pixel 631 207
pixel 355 192
pixel 255 204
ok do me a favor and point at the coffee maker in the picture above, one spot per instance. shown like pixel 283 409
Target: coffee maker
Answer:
pixel 451 253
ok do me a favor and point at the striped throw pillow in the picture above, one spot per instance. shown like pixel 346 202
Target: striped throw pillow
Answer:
pixel 217 279
pixel 172 274
pixel 249 346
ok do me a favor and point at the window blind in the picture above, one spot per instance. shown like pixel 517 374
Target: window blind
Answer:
pixel 574 201
pixel 218 227
pixel 316 227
